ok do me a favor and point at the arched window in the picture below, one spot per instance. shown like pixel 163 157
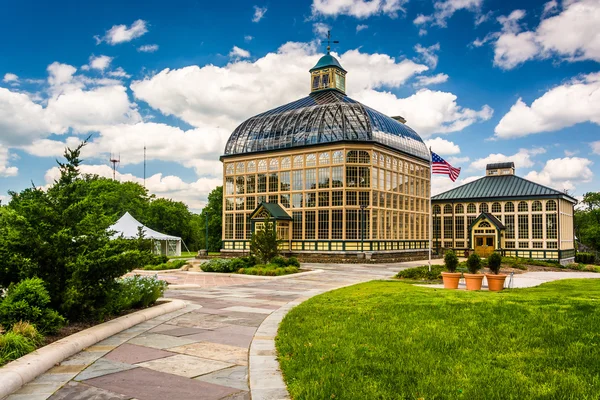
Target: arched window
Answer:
pixel 374 159
pixel 240 167
pixel 400 165
pixel 285 163
pixel 364 157
pixel 459 209
pixel 483 208
pixel 381 160
pixel 395 164
pixel 484 224
pixel 496 208
pixel 536 206
pixel 448 209
pixel 523 207
pixel 509 207
pixel 262 165
pixel 437 209
pixel 274 164
pixel 352 157
pixel 324 158
pixel 251 166
pixel 229 169
pixel 311 160
pixel 338 157
pixel 550 205
pixel 388 162
pixel 298 161
pixel 471 209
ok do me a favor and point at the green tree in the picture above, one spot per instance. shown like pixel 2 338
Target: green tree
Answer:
pixel 587 221
pixel 214 212
pixel 264 243
pixel 173 218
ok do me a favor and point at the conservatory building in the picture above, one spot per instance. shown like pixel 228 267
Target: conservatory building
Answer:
pixel 333 174
pixel 505 213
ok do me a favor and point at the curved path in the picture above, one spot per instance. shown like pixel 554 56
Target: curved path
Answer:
pixel 202 351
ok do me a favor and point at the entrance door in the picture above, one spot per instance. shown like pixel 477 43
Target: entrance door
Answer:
pixel 484 246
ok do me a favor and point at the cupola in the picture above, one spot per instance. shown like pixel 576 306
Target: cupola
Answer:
pixel 328 74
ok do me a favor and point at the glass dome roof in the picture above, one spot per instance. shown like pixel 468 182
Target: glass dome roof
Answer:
pixel 323 117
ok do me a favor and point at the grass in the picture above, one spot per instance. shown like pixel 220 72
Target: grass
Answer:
pixel 391 340
pixel 171 264
pixel 268 270
pixel 422 273
pixel 184 254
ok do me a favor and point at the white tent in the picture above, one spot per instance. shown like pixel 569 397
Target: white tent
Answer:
pixel 128 228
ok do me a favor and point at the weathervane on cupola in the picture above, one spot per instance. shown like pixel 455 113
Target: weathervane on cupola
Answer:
pixel 328 74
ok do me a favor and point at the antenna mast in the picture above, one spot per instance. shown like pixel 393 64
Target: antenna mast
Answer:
pixel 115 162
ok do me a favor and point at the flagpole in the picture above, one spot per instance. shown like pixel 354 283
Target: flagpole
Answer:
pixel 430 210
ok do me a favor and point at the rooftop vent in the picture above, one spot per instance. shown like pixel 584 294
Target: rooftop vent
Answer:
pixel 499 169
pixel 399 119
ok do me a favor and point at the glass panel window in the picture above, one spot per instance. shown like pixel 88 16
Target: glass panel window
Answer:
pixel 262 183
pixel 523 226
pixel 323 224
pixel 459 227
pixel 323 199
pixel 229 204
pixel 551 245
pixel 284 181
pixel 239 203
pixel 471 209
pixel 239 226
pixel 297 200
pixel 337 198
pixel 483 208
pixel 297 180
pixel 337 177
pixel 496 208
pixel 459 209
pixel 284 199
pixel 550 205
pixel 323 178
pixel 324 158
pixel 363 157
pixel 251 166
pixel 363 198
pixel 229 185
pixel 536 206
pixel 336 224
pixel 273 182
pixel 551 226
pixel 523 245
pixel 351 224
pixel 351 176
pixel 240 184
pixel 509 207
pixel 298 161
pixel 538 245
pixel 297 225
pixel 310 199
pixel 311 160
pixel 523 207
pixel 437 209
pixel 375 178
pixel 448 228
pixel 251 202
pixel 338 157
pixel 509 222
pixel 537 228
pixel 229 169
pixel 251 184
pixel 309 224
pixel 240 167
pixel 311 179
pixel 228 226
pixel 285 163
pixel 364 177
pixel 262 165
pixel 351 198
pixel 352 157
pixel 447 209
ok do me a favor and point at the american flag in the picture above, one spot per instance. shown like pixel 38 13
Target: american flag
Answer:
pixel 441 166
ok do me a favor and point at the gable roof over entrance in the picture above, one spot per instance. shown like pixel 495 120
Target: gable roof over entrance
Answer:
pixel 493 220
pixel 500 187
pixel 273 209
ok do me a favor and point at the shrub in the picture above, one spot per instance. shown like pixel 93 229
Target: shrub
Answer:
pixel 136 292
pixel 264 243
pixel 422 273
pixel 451 261
pixel 27 330
pixel 249 261
pixel 236 264
pixel 293 262
pixel 585 258
pixel 217 265
pixel 473 263
pixel 495 262
pixel 268 270
pixel 29 301
pixel 13 346
pixel 285 262
pixel 175 264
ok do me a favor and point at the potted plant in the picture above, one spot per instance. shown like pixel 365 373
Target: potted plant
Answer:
pixel 451 277
pixel 473 279
pixel 495 280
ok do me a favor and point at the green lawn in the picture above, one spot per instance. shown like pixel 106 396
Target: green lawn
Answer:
pixel 392 340
pixel 185 254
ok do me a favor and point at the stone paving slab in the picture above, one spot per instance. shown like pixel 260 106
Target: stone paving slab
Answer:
pixel 185 365
pixel 218 337
pixel 215 351
pixel 102 367
pixel 235 377
pixel 159 341
pixel 80 391
pixel 146 384
pixel 133 354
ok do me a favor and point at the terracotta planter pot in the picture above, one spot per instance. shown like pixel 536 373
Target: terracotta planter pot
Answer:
pixel 495 282
pixel 451 279
pixel 473 281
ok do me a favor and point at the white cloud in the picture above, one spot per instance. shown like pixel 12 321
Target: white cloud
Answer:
pixel 148 48
pixel 422 32
pixel 248 38
pixel 59 74
pixel 570 153
pixel 550 8
pixel 427 111
pixel 119 72
pixel 423 80
pixel 595 147
pixel 445 9
pixel 442 147
pixel 428 54
pixel 10 78
pixel 122 34
pixel 572 35
pixel 5 169
pixel 357 8
pixel 320 29
pixel 100 63
pixel 21 120
pixel 194 194
pixel 568 104
pixel 563 173
pixel 237 53
pixel 259 13
pixel 522 159
pixel 361 27
pixel 237 91
pixel 458 160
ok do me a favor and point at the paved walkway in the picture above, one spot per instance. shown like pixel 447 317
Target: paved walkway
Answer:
pixel 202 351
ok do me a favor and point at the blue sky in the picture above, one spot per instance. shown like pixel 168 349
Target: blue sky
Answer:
pixel 480 80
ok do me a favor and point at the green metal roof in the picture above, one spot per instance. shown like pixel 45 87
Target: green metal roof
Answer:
pixel 327 61
pixel 500 187
pixel 276 211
